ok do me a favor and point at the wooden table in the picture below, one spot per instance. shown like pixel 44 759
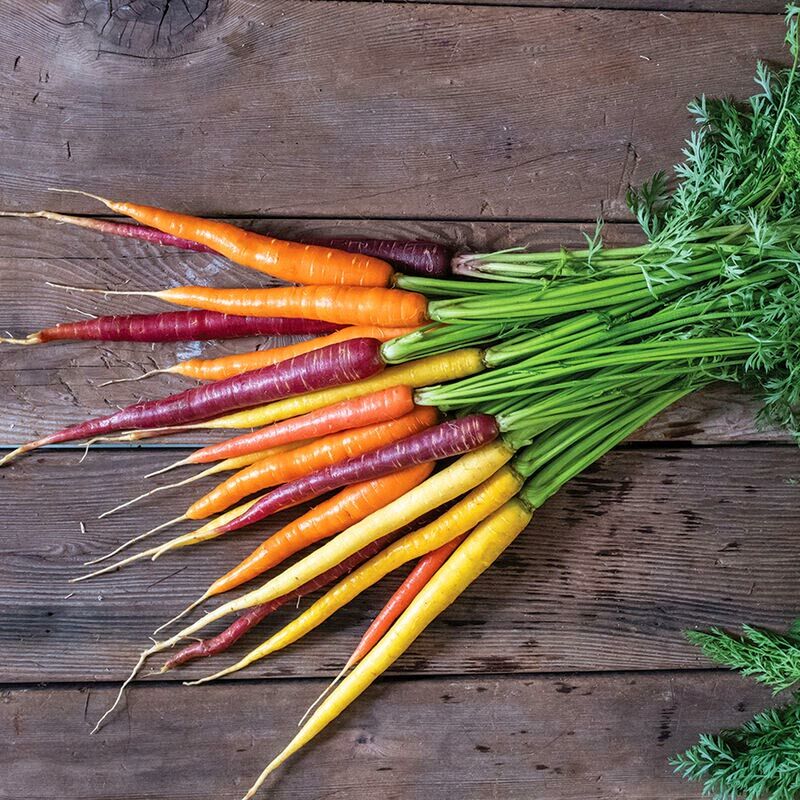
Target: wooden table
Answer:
pixel 560 674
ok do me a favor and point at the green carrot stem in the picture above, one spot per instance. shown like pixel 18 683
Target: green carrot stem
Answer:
pixel 575 459
pixel 437 338
pixel 503 382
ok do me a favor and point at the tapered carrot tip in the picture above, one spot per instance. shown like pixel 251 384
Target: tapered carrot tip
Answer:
pixel 130 380
pixel 95 290
pixel 111 567
pixel 135 539
pixel 21 450
pixel 326 691
pixel 215 676
pixel 33 338
pixel 139 664
pixel 191 607
pixel 181 463
pixel 271 767
pixel 105 201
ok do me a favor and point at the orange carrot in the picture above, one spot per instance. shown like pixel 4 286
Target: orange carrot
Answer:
pixel 214 369
pixel 294 464
pixel 291 261
pixel 369 409
pixel 342 305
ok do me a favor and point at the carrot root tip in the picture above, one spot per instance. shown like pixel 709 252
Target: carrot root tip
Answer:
pixel 191 607
pixel 137 378
pixel 139 664
pixel 135 539
pixel 103 200
pixel 31 339
pixel 95 290
pixel 21 450
pixel 161 471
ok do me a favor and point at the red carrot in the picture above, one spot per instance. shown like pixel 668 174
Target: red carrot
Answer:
pixel 125 229
pixel 427 259
pixel 222 641
pixel 330 366
pixel 442 441
pixel 175 326
pixel 424 570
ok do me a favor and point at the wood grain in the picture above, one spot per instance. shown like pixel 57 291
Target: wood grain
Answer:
pixel 351 109
pixel 611 570
pixel 570 737
pixel 666 6
pixel 43 388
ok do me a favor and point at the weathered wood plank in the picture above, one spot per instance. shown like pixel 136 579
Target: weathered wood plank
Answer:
pixel 43 388
pixel 667 6
pixel 373 109
pixel 565 738
pixel 646 544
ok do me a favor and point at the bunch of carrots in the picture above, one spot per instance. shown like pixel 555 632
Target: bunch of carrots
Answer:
pixel 431 412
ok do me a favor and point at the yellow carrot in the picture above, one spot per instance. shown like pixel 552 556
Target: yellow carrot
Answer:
pixel 462 517
pixel 476 554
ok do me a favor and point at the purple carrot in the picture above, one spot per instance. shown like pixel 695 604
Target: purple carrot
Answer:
pixel 334 365
pixel 222 641
pixel 175 326
pixel 442 441
pixel 427 259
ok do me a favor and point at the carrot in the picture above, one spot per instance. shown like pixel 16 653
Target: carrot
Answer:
pixel 481 548
pixel 222 641
pixel 422 258
pixel 423 372
pixel 326 453
pixel 443 441
pixel 451 482
pixel 290 261
pixel 174 326
pixel 336 364
pixel 461 518
pixel 426 259
pixel 442 487
pixel 342 305
pixel 214 369
pixel 368 409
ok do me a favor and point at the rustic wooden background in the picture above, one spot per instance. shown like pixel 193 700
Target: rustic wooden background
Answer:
pixel 560 674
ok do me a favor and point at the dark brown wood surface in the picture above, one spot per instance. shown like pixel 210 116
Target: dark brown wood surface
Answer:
pixel 571 737
pixel 561 674
pixel 371 109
